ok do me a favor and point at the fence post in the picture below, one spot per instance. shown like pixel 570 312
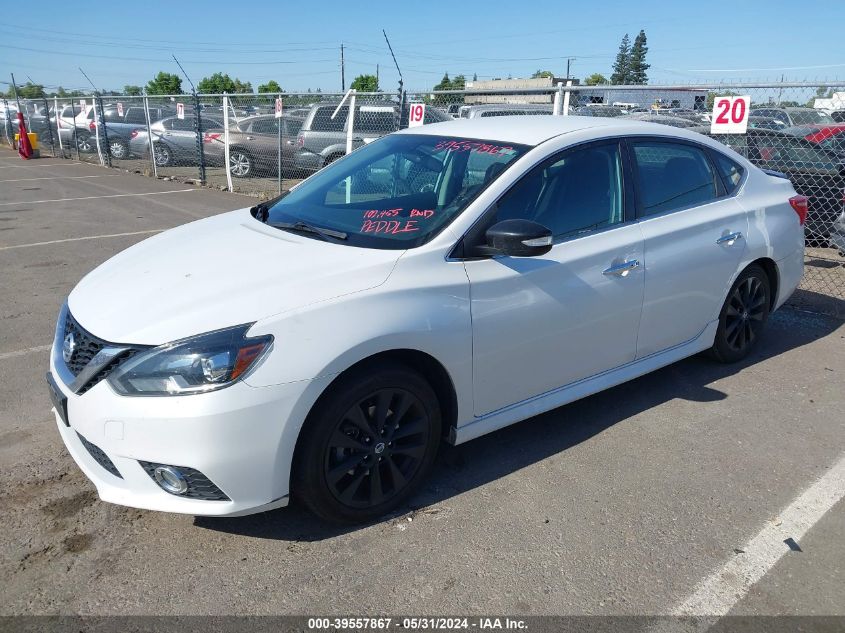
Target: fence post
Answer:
pixel 7 123
pixel 558 100
pixel 150 134
pixel 226 141
pixel 75 135
pixel 58 130
pixel 49 127
pixel 566 98
pixel 279 123
pixel 100 116
pixel 198 128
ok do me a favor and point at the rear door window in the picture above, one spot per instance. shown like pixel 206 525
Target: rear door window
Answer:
pixel 135 116
pixel 672 176
pixel 323 122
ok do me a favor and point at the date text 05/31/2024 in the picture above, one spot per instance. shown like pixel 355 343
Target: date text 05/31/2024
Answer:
pixel 418 623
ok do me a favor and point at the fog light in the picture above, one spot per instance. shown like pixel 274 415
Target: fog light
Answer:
pixel 170 479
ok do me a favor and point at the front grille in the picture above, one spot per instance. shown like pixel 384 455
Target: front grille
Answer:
pixel 87 345
pixel 100 457
pixel 199 486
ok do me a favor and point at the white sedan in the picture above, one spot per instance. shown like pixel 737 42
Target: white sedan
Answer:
pixel 437 284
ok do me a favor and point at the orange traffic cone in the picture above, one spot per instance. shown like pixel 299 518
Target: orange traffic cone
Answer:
pixel 24 146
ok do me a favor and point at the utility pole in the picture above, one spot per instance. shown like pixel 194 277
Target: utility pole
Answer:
pixel 342 71
pixel 569 60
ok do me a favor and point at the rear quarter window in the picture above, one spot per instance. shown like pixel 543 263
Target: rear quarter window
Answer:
pixel 730 170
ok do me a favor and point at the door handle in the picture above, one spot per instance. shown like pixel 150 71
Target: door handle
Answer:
pixel 730 238
pixel 622 270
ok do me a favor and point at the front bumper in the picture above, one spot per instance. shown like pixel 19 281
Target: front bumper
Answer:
pixel 241 438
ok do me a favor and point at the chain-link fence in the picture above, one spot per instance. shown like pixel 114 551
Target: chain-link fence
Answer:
pixel 271 141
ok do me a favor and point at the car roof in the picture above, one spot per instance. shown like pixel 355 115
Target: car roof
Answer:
pixel 533 130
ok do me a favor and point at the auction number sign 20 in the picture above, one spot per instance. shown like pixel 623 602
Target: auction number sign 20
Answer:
pixel 730 115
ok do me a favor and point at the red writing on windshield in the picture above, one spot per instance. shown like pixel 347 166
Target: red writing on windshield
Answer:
pixel 469 146
pixel 391 227
pixel 377 214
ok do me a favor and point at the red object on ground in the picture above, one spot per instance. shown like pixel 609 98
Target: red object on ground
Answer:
pixel 24 146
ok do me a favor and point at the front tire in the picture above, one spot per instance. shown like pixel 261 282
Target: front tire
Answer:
pixel 743 316
pixel 119 149
pixel 368 444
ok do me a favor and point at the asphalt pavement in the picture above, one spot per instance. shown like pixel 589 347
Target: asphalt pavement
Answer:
pixel 633 501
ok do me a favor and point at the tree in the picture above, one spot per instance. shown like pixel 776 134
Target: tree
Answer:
pixel 459 82
pixel 595 79
pixel 29 91
pixel 621 67
pixel 242 86
pixel 365 83
pixel 132 91
pixel 270 86
pixel 218 83
pixel 475 76
pixel 542 73
pixel 637 66
pixel 165 84
pixel 445 83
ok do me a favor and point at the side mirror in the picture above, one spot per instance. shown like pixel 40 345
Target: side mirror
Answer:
pixel 519 238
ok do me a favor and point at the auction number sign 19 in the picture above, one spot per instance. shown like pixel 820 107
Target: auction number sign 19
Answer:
pixel 416 115
pixel 730 115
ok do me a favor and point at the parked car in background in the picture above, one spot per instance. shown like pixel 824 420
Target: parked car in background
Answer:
pixel 766 123
pixel 119 127
pixel 793 115
pixel 394 301
pixel 174 139
pixel 674 121
pixel 838 116
pixel 454 110
pixel 322 139
pixel 828 137
pixel 598 110
pixel 254 146
pixel 505 109
pixel 813 172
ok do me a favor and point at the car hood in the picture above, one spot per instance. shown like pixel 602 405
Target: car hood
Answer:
pixel 214 273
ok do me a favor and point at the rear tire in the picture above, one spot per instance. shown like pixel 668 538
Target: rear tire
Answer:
pixel 163 155
pixel 119 149
pixel 367 444
pixel 240 163
pixel 743 316
pixel 332 158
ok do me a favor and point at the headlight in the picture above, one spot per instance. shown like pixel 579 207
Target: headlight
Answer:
pixel 194 365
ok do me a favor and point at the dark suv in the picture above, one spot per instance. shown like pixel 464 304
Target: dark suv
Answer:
pixel 322 139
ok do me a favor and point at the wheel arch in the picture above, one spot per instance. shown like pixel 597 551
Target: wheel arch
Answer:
pixel 431 369
pixel 770 267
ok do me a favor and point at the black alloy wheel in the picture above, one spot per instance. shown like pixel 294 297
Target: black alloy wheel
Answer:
pixel 376 448
pixel 368 443
pixel 743 316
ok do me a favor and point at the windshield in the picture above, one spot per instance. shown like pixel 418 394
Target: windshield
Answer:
pixel 397 192
pixel 805 117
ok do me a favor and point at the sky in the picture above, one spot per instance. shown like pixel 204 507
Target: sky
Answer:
pixel 298 43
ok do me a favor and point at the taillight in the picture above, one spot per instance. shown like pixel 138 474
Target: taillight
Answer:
pixel 801 206
pixel 300 141
pixel 92 126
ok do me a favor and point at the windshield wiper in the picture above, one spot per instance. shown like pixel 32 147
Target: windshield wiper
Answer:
pixel 309 228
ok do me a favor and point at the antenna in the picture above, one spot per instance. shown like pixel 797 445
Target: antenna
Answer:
pixel 89 80
pixel 194 90
pixel 401 83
